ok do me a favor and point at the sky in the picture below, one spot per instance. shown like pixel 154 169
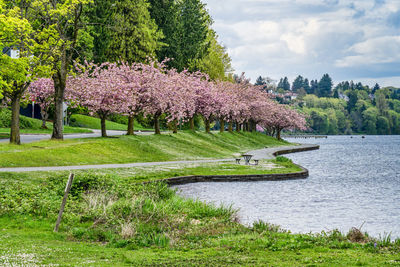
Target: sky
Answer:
pixel 355 40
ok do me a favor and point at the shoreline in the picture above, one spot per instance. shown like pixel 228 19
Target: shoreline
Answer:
pixel 266 153
pixel 276 151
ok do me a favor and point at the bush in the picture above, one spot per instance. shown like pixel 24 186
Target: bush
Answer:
pixel 282 159
pixel 24 122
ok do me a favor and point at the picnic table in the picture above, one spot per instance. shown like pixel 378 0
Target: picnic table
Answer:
pixel 247 158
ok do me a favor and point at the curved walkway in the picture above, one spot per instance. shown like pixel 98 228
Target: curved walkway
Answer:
pixel 265 153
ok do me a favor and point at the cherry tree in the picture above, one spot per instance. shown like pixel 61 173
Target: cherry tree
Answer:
pixel 282 117
pixel 101 90
pixel 41 92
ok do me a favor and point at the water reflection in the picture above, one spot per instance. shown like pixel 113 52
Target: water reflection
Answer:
pixel 352 181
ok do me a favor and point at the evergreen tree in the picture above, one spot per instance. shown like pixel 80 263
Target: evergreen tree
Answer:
pixel 336 93
pixel 376 88
pixel 298 83
pixel 359 86
pixel 314 87
pixel 186 26
pixel 217 63
pixel 280 84
pixel 325 86
pixel 166 14
pixel 285 84
pixel 99 16
pixel 134 34
pixel 260 81
pixel 306 86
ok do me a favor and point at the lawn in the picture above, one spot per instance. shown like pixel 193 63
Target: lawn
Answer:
pixel 130 149
pixel 111 220
pixel 94 123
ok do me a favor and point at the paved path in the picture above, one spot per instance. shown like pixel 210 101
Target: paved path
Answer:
pixel 265 153
pixel 29 138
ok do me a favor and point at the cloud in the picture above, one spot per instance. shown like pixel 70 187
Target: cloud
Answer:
pixel 279 38
pixel 385 49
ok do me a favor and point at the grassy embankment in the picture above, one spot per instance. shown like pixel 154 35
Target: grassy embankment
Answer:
pixel 129 149
pixel 111 219
pixel 94 123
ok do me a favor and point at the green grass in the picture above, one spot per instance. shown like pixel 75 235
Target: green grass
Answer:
pixel 111 221
pixel 94 123
pixel 129 149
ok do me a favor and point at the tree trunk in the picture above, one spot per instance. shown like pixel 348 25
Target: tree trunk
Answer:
pixel 174 126
pixel 103 125
pixel 191 124
pixel 230 127
pixel 207 124
pixel 157 124
pixel 59 78
pixel 252 126
pixel 45 116
pixel 222 124
pixel 131 121
pixel 278 134
pixel 237 127
pixel 245 127
pixel 14 134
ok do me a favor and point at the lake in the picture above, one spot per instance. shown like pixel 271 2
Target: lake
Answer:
pixel 353 182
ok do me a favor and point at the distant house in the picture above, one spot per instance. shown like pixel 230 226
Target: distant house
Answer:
pixel 344 97
pixel 13 53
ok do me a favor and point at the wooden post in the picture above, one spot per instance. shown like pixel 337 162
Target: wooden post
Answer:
pixel 64 201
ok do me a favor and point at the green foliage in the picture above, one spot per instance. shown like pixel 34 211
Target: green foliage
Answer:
pixel 282 159
pixel 134 34
pixel 298 83
pixel 325 86
pixel 186 27
pixel 284 84
pixel 362 113
pixel 216 63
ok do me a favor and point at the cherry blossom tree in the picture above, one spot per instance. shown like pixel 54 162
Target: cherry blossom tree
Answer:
pixel 101 90
pixel 282 117
pixel 41 92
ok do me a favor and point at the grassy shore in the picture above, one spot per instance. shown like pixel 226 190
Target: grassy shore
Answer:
pixel 129 149
pixel 112 220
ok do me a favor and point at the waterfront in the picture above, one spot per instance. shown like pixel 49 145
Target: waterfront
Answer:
pixel 353 182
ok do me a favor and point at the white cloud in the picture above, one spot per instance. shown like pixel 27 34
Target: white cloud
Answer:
pixel 385 49
pixel 309 37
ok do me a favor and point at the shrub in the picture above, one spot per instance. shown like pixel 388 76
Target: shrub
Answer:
pixel 282 159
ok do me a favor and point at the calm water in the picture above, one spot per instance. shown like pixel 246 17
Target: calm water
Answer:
pixel 353 181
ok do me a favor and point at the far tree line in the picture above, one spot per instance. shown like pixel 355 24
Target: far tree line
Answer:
pixel 346 108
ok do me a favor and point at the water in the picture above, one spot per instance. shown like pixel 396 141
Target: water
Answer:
pixel 352 182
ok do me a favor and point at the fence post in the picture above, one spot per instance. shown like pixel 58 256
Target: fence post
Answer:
pixel 64 201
